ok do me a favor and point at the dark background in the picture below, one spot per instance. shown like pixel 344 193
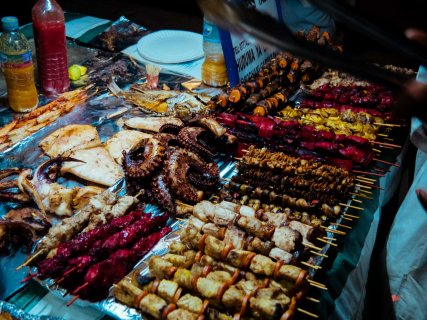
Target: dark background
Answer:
pixel 393 15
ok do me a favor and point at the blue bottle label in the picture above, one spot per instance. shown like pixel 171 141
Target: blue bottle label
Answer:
pixel 210 32
pixel 16 60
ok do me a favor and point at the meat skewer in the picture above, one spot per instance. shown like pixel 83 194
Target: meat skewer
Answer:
pixel 102 275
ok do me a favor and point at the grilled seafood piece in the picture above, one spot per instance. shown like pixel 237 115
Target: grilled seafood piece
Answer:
pixel 95 165
pixel 59 143
pixel 24 225
pixel 165 103
pixel 152 124
pixel 124 140
pixel 10 185
pixel 50 196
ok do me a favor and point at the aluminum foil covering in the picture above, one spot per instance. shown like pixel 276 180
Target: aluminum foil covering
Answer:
pixel 18 314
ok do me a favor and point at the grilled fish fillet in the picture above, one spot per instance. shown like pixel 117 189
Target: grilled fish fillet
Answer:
pixel 99 166
pixel 64 141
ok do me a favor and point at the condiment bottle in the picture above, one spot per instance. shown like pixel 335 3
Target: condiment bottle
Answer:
pixel 51 49
pixel 214 71
pixel 17 66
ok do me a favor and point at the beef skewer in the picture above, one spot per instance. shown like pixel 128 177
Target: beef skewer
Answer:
pixel 104 247
pixel 82 243
pixel 102 275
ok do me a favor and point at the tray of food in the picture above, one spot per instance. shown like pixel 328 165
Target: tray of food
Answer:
pixel 172 203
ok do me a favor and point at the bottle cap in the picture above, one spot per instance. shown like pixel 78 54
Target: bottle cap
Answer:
pixel 9 23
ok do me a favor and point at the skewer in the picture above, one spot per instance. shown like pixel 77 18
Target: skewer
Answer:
pixel 238 159
pixel 371 173
pixel 334 231
pixel 308 313
pixel 350 206
pixel 386 147
pixel 341 225
pixel 84 285
pixel 362 186
pixel 387 144
pixel 310 265
pixel 389 139
pixel 327 242
pixel 345 218
pixel 382 135
pixel 365 191
pixel 387 124
pixel 183 204
pixel 364 181
pixel 315 282
pixel 319 254
pixel 329 238
pixel 28 261
pixel 361 195
pixel 69 303
pixel 351 216
pixel 66 273
pixel 317 286
pixel 311 246
pixel 377 150
pixel 312 299
pixel 386 162
pixel 30 276
pixel 366 178
pixel 356 200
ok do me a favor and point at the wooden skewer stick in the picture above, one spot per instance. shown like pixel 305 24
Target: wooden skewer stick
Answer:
pixel 30 276
pixel 30 259
pixel 311 265
pixel 329 238
pixel 319 254
pixel 327 242
pixel 356 200
pixel 387 124
pixel 315 282
pixel 243 150
pixel 341 225
pixel 362 186
pixel 365 191
pixel 377 150
pixel 361 195
pixel 387 162
pixel 371 173
pixel 386 147
pixel 382 135
pixel 334 231
pixel 183 204
pixel 389 139
pixel 351 216
pixel 238 159
pixel 312 299
pixel 350 206
pixel 364 181
pixel 84 285
pixel 320 287
pixel 69 303
pixel 311 246
pixel 366 178
pixel 345 218
pixel 387 144
pixel 308 313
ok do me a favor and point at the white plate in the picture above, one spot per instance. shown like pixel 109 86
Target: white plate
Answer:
pixel 171 46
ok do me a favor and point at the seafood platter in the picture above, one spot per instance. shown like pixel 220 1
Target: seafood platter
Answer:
pixel 171 203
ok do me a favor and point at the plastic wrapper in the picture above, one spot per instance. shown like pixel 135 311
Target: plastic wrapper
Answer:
pixel 120 35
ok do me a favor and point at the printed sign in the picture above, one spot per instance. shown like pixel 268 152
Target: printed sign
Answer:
pixel 242 57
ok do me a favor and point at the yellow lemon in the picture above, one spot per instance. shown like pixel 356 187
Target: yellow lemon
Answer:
pixel 83 69
pixel 74 72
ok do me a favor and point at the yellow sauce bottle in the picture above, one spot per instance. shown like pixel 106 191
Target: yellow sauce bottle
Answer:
pixel 17 66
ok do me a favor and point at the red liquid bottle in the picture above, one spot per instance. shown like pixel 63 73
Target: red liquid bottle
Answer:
pixel 51 48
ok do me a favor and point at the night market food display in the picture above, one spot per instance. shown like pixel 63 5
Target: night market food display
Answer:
pixel 253 185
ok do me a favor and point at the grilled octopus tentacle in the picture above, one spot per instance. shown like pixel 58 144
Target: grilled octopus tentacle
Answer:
pixel 144 158
pixel 162 194
pixel 170 128
pixel 192 140
pixel 178 165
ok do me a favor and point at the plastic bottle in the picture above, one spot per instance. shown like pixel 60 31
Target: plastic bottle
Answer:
pixel 51 48
pixel 17 65
pixel 214 71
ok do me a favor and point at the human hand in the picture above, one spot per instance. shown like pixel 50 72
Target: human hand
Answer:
pixel 422 197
